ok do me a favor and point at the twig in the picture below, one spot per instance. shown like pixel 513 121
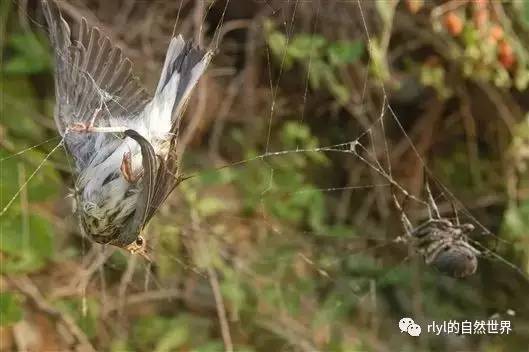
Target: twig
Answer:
pixel 221 311
pixel 286 333
pixel 469 124
pixel 214 282
pixel 126 278
pixel 80 283
pixel 446 7
pixel 231 26
pixel 159 295
pixel 233 91
pixel 28 289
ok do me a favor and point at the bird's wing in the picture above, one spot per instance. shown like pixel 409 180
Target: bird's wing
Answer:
pixel 184 65
pixel 167 178
pixel 90 74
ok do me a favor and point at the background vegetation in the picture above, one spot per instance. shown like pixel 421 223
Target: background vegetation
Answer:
pixel 301 244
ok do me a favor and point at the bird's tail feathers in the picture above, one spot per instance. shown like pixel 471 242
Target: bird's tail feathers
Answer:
pixel 184 65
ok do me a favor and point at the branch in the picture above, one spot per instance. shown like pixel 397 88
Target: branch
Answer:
pixel 28 289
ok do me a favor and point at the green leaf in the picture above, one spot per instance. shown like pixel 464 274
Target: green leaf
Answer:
pixel 174 338
pixel 278 45
pixel 211 177
pixel 379 67
pixel 233 291
pixel 27 244
pixel 524 13
pixel 157 333
pixel 345 52
pixel 18 108
pixel 213 346
pixel 317 70
pixel 16 171
pixel 516 220
pixel 305 46
pixel 119 345
pixel 148 330
pixel 386 9
pixel 339 231
pixel 210 206
pixel 30 55
pixel 521 80
pixel 434 76
pixel 10 310
pixel 86 319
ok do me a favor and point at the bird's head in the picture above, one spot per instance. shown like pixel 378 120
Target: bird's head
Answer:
pixel 139 246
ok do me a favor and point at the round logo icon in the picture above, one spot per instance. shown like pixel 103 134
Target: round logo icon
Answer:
pixel 414 329
pixel 404 323
pixel 408 325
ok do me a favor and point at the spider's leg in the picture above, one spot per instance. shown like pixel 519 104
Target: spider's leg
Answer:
pixel 431 251
pixel 432 207
pixel 427 227
pixel 480 253
pixel 454 211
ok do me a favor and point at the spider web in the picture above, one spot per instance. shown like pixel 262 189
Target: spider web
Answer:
pixel 369 150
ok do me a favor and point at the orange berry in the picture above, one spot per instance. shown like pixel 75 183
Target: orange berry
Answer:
pixel 506 55
pixel 453 24
pixel 496 33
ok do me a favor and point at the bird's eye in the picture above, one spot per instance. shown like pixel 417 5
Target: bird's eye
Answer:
pixel 139 241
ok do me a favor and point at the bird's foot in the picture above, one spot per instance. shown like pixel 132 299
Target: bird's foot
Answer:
pixel 79 127
pixel 126 169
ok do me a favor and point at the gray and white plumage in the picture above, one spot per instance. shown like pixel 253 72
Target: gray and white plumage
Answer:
pixel 92 76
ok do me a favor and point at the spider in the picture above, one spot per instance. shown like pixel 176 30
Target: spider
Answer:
pixel 441 243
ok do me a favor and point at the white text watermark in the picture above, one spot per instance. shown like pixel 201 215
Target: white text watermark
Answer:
pixel 457 327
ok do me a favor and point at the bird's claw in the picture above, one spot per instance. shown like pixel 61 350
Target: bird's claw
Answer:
pixel 78 127
pixel 126 168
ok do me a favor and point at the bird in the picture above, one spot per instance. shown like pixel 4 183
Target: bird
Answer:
pixel 122 140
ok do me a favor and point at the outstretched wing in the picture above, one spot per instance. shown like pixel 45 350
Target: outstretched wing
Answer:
pixel 90 74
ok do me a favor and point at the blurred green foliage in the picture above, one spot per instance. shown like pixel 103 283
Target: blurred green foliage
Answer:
pixel 321 59
pixel 30 56
pixel 26 237
pixel 10 309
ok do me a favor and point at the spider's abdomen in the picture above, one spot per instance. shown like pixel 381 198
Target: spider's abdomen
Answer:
pixel 456 261
pixel 444 246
